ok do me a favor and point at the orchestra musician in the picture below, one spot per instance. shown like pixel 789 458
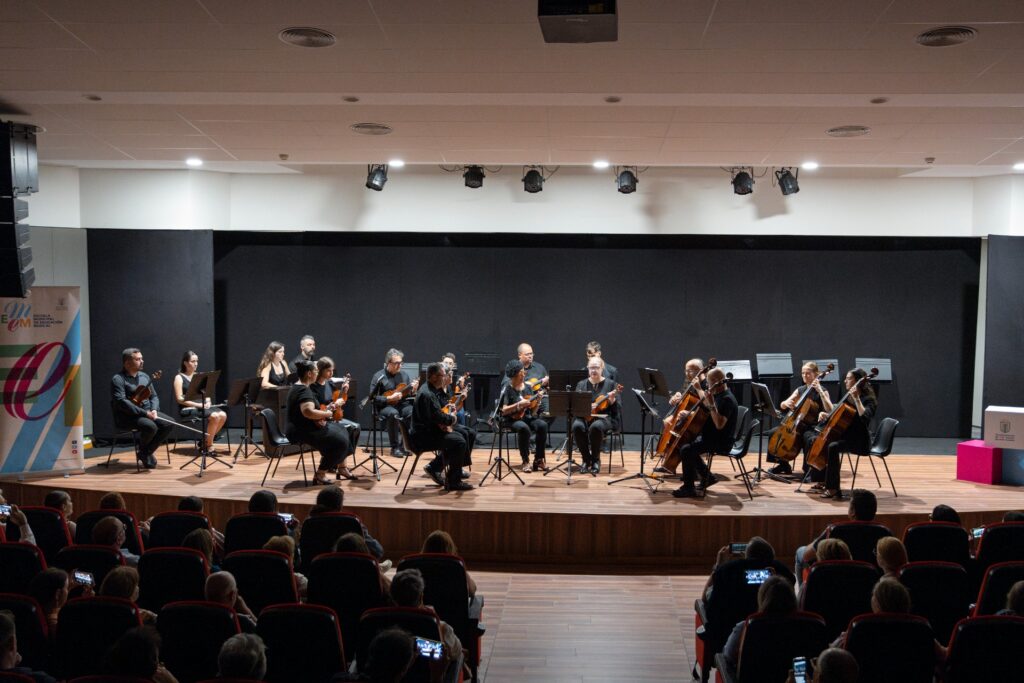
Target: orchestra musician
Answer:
pixel 594 351
pixel 715 437
pixel 536 374
pixel 215 417
pixel 692 368
pixel 391 405
pixel 433 429
pixel 323 389
pixel 307 351
pixel 589 437
pixel 448 360
pixel 517 416
pixel 856 439
pixel 309 424
pixel 143 413
pixel 809 374
pixel 273 370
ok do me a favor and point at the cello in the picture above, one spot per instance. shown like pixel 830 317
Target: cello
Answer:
pixel 785 442
pixel 833 426
pixel 681 410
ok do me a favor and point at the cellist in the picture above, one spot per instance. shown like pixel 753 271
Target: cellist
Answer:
pixel 856 439
pixel 715 437
pixel 693 369
pixel 809 374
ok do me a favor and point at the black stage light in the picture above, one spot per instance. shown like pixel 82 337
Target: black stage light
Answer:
pixel 742 182
pixel 533 181
pixel 626 181
pixel 787 181
pixel 376 176
pixel 474 176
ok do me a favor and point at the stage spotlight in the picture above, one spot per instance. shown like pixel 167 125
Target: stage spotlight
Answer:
pixel 533 181
pixel 474 176
pixel 742 182
pixel 376 176
pixel 787 181
pixel 626 181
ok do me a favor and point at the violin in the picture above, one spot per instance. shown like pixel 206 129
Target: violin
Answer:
pixel 535 384
pixel 339 397
pixel 683 408
pixel 531 407
pixel 785 442
pixel 404 391
pixel 144 392
pixel 603 402
pixel 834 425
pixel 457 400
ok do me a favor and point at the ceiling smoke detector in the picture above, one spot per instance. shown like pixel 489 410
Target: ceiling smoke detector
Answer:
pixel 946 36
pixel 307 36
pixel 371 128
pixel 847 131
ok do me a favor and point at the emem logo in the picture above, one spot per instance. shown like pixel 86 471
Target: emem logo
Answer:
pixel 1004 426
pixel 16 314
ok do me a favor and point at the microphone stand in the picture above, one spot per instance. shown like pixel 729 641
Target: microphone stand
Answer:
pixel 500 462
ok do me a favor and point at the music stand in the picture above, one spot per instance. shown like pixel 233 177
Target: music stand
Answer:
pixel 645 410
pixel 501 463
pixel 571 403
pixel 244 392
pixel 654 383
pixel 822 363
pixel 375 392
pixel 197 390
pixel 557 379
pixel 764 405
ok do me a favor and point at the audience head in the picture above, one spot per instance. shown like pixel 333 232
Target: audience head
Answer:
pixel 121 582
pixel 221 587
pixel 944 513
pixel 136 653
pixel 113 501
pixel 351 543
pixel 439 542
pixel 109 531
pixel 201 540
pixel 863 505
pixel 834 549
pixel 243 655
pixel 59 500
pixel 392 652
pixel 190 504
pixel 760 550
pixel 1014 516
pixel 263 501
pixel 891 554
pixel 281 544
pixel 776 596
pixel 1015 599
pixel 9 657
pixel 889 595
pixel 407 588
pixel 331 498
pixel 50 588
pixel 836 665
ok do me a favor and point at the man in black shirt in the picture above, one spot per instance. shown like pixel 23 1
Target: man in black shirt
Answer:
pixel 589 437
pixel 154 427
pixel 307 351
pixel 432 429
pixel 536 374
pixel 594 351
pixel 716 437
pixel 393 405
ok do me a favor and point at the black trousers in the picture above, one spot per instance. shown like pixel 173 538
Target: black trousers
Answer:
pixel 522 429
pixel 353 434
pixel 469 434
pixel 331 440
pixel 390 415
pixel 588 438
pixel 453 449
pixel 693 463
pixel 152 433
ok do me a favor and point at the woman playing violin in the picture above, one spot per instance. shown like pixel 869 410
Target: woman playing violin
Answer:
pixel 857 437
pixel 323 390
pixel 518 415
pixel 215 418
pixel 308 423
pixel 589 437
pixel 809 374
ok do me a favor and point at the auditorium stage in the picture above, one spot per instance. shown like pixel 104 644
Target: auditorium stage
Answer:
pixel 547 525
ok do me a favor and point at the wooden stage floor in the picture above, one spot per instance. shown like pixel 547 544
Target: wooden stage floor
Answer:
pixel 546 525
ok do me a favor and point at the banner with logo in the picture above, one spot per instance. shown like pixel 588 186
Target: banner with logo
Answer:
pixel 40 372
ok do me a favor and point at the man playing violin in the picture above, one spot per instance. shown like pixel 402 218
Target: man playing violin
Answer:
pixel 136 406
pixel 433 429
pixel 523 419
pixel 323 388
pixel 594 351
pixel 589 435
pixel 715 437
pixel 391 405
pixel 809 375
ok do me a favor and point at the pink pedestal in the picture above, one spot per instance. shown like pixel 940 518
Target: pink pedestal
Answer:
pixel 977 462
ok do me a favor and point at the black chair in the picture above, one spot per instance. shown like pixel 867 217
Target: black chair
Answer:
pixel 415 459
pixel 892 648
pixel 292 633
pixel 745 429
pixel 192 633
pixel 1001 542
pixel 86 628
pixel 938 541
pixel 983 649
pixel 104 678
pixel 87 520
pixel 132 434
pixel 881 447
pixel 613 437
pixel 11 677
pixel 940 592
pixel 251 530
pixel 419 621
pixel 770 642
pixel 98 560
pixel 21 561
pixel 348 583
pixel 320 532
pixel 264 577
pixel 48 525
pixel 860 537
pixel 838 590
pixel 275 444
pixel 171 575
pixel 169 529
pixel 31 627
pixel 996 583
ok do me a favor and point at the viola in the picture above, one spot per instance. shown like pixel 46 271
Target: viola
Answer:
pixel 785 442
pixel 458 398
pixel 339 397
pixel 603 402
pixel 531 407
pixel 834 425
pixel 144 392
pixel 682 409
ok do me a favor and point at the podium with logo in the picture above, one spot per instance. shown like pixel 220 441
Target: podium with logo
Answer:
pixel 999 458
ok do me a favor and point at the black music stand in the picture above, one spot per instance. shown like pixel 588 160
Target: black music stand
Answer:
pixel 567 379
pixel 201 384
pixel 645 410
pixel 571 404
pixel 244 392
pixel 371 398
pixel 653 381
pixel 501 463
pixel 763 404
pixel 482 364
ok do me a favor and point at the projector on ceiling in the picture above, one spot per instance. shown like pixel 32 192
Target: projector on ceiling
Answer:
pixel 578 21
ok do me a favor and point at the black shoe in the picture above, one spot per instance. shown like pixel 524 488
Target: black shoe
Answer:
pixel 782 468
pixel 464 474
pixel 434 474
pixel 399 452
pixel 685 491
pixel 460 486
pixel 710 480
pixel 595 468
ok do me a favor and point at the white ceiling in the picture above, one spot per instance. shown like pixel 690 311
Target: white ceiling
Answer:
pixel 702 82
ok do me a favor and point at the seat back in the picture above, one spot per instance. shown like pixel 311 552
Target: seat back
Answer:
pixel 348 583
pixel 171 575
pixel 940 592
pixel 321 532
pixel 742 444
pixel 838 590
pixel 419 621
pixel 251 530
pixel 169 529
pixel 732 599
pixel 770 642
pixel 49 527
pixel 861 537
pixel 1002 542
pixel 892 648
pixel 273 439
pixel 87 520
pixel 983 649
pixel 30 625
pixel 943 541
pixel 292 633
pixel 86 628
pixel 21 561
pixel 104 678
pixel 995 584
pixel 743 420
pixel 264 577
pixel 98 560
pixel 192 633
pixel 881 445
pixel 12 677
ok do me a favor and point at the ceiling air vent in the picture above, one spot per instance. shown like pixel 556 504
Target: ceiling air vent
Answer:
pixel 371 128
pixel 848 131
pixel 306 36
pixel 946 36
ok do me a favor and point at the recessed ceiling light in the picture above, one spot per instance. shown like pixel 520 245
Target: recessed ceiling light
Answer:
pixel 946 36
pixel 350 98
pixel 194 161
pixel 1019 166
pixel 371 128
pixel 879 100
pixel 809 165
pixel 601 163
pixel 848 131
pixel 396 163
pixel 93 98
pixel 307 36
pixel 613 99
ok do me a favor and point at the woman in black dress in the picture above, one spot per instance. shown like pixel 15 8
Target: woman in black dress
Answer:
pixel 308 424
pixel 273 370
pixel 215 418
pixel 323 389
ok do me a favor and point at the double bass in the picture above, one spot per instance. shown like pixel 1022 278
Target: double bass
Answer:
pixel 682 410
pixel 834 425
pixel 786 441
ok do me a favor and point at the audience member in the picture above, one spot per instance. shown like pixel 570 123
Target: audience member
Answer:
pixel 123 582
pixel 863 506
pixel 332 499
pixel 944 513
pixel 1014 516
pixel 407 591
pixel 834 549
pixel 355 543
pixel 110 531
pixel 775 597
pixel 113 501
pixel 60 500
pixel 202 540
pixel 392 653
pixel 222 588
pixel 195 504
pixel 286 546
pixel 835 665
pixel 243 656
pixel 892 597
pixel 439 541
pixel 50 589
pixel 891 555
pixel 137 654
pixel 263 501
pixel 1014 601
pixel 10 658
pixel 758 550
pixel 18 518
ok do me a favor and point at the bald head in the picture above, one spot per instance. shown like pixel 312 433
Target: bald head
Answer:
pixel 715 375
pixel 692 367
pixel 221 587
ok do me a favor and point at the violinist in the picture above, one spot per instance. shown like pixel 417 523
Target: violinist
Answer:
pixel 536 374
pixel 451 383
pixel 809 374
pixel 392 404
pixel 215 418
pixel 589 437
pixel 521 418
pixel 715 437
pixel 856 439
pixel 273 370
pixel 308 423
pixel 594 351
pixel 323 389
pixel 143 413
pixel 430 431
